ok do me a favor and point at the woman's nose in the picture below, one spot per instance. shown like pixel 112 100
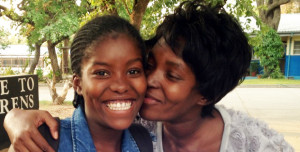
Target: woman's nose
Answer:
pixel 153 78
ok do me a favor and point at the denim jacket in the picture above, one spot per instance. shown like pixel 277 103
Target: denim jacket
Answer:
pixel 75 135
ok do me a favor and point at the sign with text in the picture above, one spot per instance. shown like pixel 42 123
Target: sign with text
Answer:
pixel 16 92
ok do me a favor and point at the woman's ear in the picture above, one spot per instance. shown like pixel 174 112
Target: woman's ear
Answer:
pixel 77 84
pixel 202 101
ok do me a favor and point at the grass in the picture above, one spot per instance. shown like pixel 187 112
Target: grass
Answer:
pixel 271 81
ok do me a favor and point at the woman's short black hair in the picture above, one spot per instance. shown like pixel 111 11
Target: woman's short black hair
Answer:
pixel 95 31
pixel 215 48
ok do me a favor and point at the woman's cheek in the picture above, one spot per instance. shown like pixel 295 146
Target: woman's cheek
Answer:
pixel 175 93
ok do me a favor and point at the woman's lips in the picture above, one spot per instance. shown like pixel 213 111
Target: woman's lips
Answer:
pixel 150 100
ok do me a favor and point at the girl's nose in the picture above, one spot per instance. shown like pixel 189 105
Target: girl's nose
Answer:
pixel 120 85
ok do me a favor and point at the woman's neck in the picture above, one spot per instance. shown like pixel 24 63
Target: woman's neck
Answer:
pixel 197 134
pixel 106 139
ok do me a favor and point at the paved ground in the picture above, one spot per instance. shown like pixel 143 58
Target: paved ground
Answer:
pixel 279 106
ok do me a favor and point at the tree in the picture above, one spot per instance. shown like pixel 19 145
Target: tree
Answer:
pixel 270 50
pixel 65 56
pixel 49 21
pixel 291 7
pixel 269 11
pixel 3 38
pixel 36 57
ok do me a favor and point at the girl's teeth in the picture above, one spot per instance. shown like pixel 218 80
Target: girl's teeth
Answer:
pixel 114 105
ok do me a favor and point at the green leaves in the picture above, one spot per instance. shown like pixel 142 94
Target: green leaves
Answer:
pixel 50 19
pixel 154 15
pixel 269 49
pixel 3 38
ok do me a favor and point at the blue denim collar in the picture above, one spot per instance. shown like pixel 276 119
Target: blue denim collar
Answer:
pixel 82 139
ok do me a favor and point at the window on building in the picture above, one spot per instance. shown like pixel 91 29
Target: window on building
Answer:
pixel 16 62
pixel 297 47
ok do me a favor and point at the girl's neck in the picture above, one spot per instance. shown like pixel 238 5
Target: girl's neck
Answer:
pixel 106 139
pixel 197 134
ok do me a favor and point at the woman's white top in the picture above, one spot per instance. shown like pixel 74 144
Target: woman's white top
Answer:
pixel 241 134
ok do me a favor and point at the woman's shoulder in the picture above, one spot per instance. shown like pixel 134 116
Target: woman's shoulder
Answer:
pixel 247 133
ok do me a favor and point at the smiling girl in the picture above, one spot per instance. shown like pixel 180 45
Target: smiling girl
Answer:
pixel 107 59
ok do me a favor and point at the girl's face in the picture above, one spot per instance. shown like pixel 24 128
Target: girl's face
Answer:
pixel 113 83
pixel 171 94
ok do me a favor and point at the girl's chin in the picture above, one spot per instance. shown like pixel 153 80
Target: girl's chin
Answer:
pixel 121 125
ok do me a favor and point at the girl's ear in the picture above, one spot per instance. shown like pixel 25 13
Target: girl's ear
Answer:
pixel 77 84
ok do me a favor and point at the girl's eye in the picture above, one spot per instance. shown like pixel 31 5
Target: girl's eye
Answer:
pixel 134 71
pixel 102 73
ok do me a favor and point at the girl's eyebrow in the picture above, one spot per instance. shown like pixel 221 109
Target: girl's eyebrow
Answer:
pixel 134 60
pixel 101 63
pixel 128 63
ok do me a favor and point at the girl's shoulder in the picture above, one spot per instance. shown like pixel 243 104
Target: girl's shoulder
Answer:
pixel 65 123
pixel 245 133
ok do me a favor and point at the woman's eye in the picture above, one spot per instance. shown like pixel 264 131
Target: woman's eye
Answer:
pixel 173 77
pixel 149 66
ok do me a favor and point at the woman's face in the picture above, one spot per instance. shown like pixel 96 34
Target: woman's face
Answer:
pixel 113 83
pixel 171 94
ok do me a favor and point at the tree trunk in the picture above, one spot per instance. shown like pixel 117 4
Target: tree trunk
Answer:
pixel 65 57
pixel 36 58
pixel 54 61
pixel 271 15
pixel 56 98
pixel 139 8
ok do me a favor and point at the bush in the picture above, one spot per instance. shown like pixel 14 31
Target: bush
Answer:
pixel 8 71
pixel 254 67
pixel 40 74
pixel 270 50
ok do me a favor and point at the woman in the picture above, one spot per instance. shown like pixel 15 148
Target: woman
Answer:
pixel 198 55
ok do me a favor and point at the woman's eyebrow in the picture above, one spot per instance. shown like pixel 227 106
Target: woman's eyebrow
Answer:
pixel 175 64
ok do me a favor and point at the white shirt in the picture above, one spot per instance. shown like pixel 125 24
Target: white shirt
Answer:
pixel 241 134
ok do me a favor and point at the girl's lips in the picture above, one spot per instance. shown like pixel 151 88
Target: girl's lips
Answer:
pixel 119 104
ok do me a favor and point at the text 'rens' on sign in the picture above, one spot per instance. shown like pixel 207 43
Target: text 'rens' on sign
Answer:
pixel 16 92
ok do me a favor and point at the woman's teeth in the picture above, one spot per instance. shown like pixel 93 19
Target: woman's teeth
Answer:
pixel 115 105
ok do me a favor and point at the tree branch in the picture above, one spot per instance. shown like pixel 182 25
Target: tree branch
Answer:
pixel 59 40
pixel 12 15
pixel 127 10
pixel 2 9
pixel 275 5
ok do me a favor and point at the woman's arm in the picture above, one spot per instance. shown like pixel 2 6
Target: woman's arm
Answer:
pixel 21 127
